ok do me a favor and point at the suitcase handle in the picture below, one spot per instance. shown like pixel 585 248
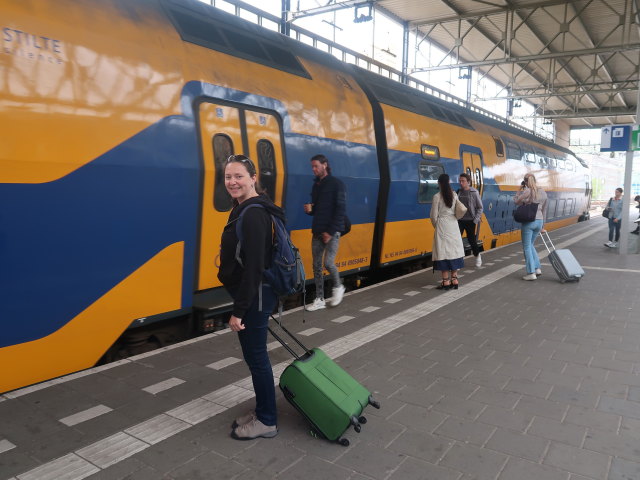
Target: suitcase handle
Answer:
pixel 285 344
pixel 545 242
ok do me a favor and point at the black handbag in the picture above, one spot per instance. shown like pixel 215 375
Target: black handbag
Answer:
pixel 606 213
pixel 525 213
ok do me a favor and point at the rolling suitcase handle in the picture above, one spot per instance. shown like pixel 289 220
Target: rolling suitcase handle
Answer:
pixel 549 240
pixel 285 344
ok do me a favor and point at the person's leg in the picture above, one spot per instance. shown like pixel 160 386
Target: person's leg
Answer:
pixel 536 227
pixel 616 227
pixel 330 253
pixel 527 244
pixel 253 340
pixel 317 252
pixel 611 229
pixel 473 239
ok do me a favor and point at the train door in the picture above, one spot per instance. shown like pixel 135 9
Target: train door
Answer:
pixel 472 164
pixel 226 130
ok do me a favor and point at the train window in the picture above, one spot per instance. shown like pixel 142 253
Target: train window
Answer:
pixel 429 152
pixel 560 163
pixel 560 209
pixel 196 26
pixel 551 208
pixel 428 174
pixel 571 206
pixel 222 148
pixel 528 155
pixel 499 147
pixel 513 150
pixel 267 167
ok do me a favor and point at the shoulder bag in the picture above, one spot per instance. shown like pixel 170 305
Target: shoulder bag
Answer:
pixel 460 209
pixel 606 213
pixel 525 213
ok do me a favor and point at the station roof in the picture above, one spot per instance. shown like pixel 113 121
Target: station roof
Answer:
pixel 576 61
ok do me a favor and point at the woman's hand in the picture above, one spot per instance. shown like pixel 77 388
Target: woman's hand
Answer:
pixel 615 220
pixel 235 324
pixel 543 230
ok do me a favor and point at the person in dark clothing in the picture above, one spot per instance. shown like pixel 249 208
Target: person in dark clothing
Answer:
pixel 469 223
pixel 253 301
pixel 637 200
pixel 328 207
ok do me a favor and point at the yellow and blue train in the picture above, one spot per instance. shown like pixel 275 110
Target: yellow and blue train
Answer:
pixel 116 119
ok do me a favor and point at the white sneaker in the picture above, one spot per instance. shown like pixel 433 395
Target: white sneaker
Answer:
pixel 609 244
pixel 338 293
pixel 531 276
pixel 478 261
pixel 317 304
pixel 613 244
pixel 538 272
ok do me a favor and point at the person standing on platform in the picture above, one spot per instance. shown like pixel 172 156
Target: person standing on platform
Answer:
pixel 328 208
pixel 243 281
pixel 615 219
pixel 448 251
pixel 531 193
pixel 470 223
pixel 637 200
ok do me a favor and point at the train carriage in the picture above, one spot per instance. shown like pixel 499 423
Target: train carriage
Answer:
pixel 117 117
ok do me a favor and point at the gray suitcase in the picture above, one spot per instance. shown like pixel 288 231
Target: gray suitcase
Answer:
pixel 563 262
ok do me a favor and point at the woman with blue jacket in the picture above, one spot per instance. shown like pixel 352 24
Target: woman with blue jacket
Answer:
pixel 615 219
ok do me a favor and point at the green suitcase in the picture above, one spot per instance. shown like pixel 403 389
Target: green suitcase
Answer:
pixel 327 396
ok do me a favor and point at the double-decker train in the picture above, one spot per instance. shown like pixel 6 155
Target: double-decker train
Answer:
pixel 116 119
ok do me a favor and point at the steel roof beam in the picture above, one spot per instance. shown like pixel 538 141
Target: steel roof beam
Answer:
pixel 533 58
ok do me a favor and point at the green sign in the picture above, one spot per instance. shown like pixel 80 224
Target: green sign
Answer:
pixel 635 131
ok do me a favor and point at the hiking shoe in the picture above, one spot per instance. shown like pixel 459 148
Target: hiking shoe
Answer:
pixel 538 272
pixel 317 304
pixel 244 419
pixel 254 429
pixel 478 261
pixel 530 276
pixel 338 293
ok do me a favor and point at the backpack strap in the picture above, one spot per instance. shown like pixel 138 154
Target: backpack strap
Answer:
pixel 239 246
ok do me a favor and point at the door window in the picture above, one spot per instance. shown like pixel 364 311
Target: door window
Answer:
pixel 428 174
pixel 222 149
pixel 267 167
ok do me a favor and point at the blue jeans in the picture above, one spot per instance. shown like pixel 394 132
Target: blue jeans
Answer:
pixel 253 340
pixel 614 230
pixel 325 253
pixel 530 231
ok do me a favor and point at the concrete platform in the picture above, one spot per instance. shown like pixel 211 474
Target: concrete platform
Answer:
pixel 500 380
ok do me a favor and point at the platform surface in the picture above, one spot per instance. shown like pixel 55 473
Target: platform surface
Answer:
pixel 501 379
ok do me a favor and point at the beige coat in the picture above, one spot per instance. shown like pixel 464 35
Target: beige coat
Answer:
pixel 447 241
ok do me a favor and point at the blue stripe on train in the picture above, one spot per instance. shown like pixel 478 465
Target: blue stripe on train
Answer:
pixel 66 243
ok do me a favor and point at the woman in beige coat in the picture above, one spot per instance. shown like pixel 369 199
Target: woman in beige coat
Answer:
pixel 448 251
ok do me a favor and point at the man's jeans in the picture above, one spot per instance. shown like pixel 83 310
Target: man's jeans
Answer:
pixel 327 252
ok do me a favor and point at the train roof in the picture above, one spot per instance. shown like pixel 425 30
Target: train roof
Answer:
pixel 213 28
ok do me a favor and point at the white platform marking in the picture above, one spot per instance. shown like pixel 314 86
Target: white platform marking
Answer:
pixel 112 449
pixel 85 415
pixel 69 467
pixel 411 293
pixel 225 362
pixel 6 445
pixel 157 429
pixel 310 331
pixel 342 319
pixel 395 300
pixel 162 386
pixel 370 309
pixel 272 345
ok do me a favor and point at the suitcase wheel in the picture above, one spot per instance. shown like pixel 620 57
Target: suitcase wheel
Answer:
pixel 356 424
pixel 373 403
pixel 357 428
pixel 362 419
pixel 343 441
